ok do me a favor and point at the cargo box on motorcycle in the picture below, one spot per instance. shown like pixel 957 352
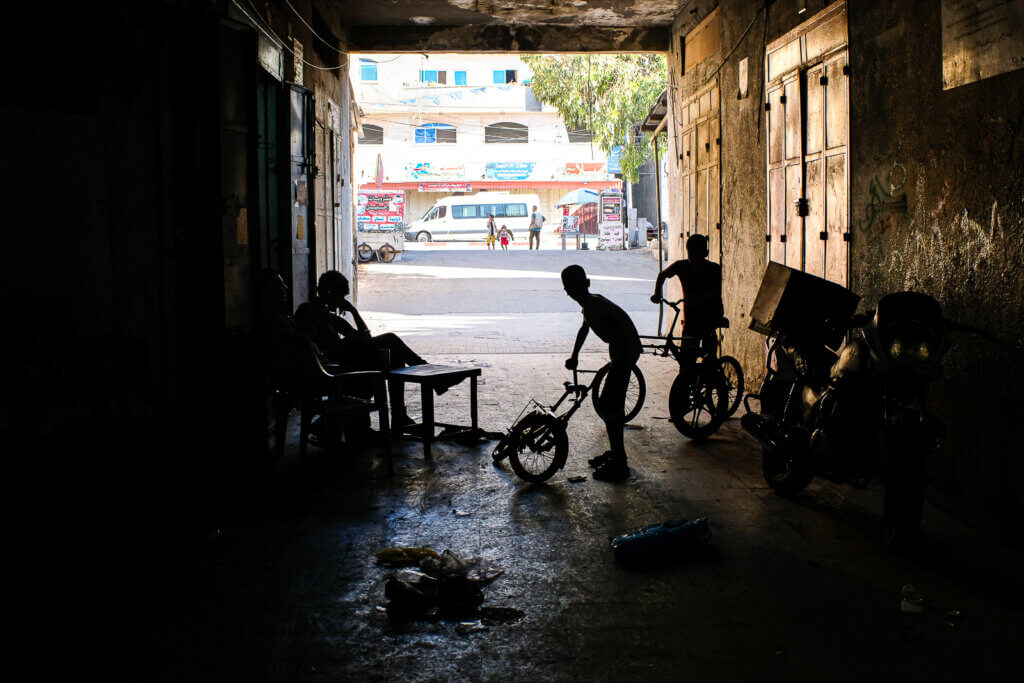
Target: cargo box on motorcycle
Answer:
pixel 792 302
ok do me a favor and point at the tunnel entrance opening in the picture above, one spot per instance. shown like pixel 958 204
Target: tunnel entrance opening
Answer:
pixel 450 139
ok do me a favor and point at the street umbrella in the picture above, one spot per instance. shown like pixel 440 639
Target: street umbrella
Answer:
pixel 379 176
pixel 580 196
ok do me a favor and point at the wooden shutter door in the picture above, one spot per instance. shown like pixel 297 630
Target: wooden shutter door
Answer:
pixel 836 139
pixel 794 172
pixel 776 176
pixel 814 172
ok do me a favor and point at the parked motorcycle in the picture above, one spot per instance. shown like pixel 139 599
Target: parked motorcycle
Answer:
pixel 858 411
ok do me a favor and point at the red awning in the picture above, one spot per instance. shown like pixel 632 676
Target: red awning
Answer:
pixel 510 185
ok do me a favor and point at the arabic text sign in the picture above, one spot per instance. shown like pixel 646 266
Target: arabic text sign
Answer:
pixel 585 169
pixel 509 170
pixel 446 186
pixel 380 206
pixel 427 169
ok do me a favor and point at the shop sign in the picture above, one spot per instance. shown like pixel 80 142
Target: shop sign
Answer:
pixel 585 169
pixel 509 170
pixel 380 207
pixel 428 169
pixel 444 186
pixel 614 165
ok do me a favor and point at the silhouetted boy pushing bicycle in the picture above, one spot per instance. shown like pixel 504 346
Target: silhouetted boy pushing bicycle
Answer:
pixel 614 327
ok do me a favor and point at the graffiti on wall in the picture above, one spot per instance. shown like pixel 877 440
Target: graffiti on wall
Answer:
pixel 941 248
pixel 886 207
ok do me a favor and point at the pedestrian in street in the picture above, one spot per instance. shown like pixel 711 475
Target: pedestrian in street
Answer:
pixel 503 233
pixel 614 327
pixel 536 223
pixel 491 231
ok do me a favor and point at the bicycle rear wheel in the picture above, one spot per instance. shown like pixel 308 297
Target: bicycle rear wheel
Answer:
pixel 698 401
pixel 537 447
pixel 733 375
pixel 636 392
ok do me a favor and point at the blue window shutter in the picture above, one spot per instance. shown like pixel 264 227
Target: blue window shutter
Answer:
pixel 367 70
pixel 460 78
pixel 499 76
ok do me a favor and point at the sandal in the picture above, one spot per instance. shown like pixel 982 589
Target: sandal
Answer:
pixel 599 460
pixel 612 471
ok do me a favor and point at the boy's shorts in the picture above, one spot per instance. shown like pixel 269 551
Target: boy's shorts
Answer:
pixel 491 239
pixel 504 241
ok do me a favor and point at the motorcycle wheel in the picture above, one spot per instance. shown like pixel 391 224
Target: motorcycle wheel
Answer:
pixel 697 402
pixel 786 470
pixel 904 499
pixel 537 447
pixel 636 392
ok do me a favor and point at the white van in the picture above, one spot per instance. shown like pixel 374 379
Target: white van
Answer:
pixel 465 217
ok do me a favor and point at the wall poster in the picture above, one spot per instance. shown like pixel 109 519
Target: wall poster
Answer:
pixel 379 208
pixel 980 39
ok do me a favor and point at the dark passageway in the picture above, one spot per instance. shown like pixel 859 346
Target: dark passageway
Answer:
pixel 162 158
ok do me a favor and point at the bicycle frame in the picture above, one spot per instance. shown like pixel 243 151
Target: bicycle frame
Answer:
pixel 668 345
pixel 578 391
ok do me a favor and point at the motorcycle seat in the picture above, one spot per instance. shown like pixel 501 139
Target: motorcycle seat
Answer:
pixel 724 322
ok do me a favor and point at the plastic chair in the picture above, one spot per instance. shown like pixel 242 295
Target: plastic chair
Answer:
pixel 331 395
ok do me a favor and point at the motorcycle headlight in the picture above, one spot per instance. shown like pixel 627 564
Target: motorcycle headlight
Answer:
pixel 910 351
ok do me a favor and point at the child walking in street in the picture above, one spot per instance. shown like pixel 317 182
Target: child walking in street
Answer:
pixel 491 231
pixel 503 234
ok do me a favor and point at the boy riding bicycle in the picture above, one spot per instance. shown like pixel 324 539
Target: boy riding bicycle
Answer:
pixel 701 281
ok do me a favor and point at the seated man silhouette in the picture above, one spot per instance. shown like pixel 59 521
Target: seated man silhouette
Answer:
pixel 352 347
pixel 614 327
pixel 702 292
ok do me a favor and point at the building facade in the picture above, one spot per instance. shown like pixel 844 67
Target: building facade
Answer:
pixel 448 124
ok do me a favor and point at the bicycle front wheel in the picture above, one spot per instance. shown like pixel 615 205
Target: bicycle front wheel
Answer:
pixel 537 447
pixel 698 401
pixel 636 392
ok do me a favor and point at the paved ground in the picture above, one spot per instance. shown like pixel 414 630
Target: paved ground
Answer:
pixel 461 299
pixel 288 589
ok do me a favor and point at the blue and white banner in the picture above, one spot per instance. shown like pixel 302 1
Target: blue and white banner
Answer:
pixel 509 170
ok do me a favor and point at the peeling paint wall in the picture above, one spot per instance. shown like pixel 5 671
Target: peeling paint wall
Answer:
pixel 937 205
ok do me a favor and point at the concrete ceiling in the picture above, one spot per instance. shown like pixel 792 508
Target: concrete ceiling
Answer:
pixel 508 25
pixel 613 13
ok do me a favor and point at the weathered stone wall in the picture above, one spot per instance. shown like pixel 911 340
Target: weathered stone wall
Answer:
pixel 957 156
pixel 743 163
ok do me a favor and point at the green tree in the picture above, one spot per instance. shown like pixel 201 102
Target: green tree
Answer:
pixel 607 94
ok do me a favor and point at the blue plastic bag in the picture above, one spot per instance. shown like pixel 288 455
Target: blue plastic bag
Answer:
pixel 657 543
